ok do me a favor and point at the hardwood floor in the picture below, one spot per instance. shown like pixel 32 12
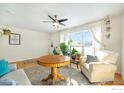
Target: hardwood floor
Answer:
pixel 118 81
pixel 33 62
pixel 26 63
pixel 118 77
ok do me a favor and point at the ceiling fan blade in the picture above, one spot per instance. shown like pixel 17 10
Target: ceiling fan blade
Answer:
pixel 62 24
pixel 62 20
pixel 47 21
pixel 51 18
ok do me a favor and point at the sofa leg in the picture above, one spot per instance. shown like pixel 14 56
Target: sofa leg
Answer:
pixel 78 66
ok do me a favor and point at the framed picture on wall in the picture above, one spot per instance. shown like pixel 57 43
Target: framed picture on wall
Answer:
pixel 14 39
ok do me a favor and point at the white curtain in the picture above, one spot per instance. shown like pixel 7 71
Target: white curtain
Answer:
pixel 96 30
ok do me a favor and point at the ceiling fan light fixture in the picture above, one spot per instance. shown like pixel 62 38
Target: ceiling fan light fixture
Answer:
pixel 55 24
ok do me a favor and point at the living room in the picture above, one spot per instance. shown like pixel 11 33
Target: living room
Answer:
pixel 35 30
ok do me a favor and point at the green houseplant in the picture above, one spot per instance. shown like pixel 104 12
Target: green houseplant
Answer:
pixel 56 51
pixel 6 31
pixel 64 48
pixel 74 53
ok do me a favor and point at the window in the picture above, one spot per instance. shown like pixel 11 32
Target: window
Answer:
pixel 76 37
pixel 87 41
pixel 83 42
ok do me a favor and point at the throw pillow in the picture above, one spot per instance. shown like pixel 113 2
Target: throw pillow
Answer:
pixel 91 58
pixel 4 68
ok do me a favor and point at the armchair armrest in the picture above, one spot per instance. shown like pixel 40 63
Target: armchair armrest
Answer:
pixel 101 67
pixel 82 60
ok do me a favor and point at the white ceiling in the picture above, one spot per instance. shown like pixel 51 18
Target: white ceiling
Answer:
pixel 30 16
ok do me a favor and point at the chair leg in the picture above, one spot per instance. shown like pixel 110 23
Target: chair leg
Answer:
pixel 77 66
pixel 70 64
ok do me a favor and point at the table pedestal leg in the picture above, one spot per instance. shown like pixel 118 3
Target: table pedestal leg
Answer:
pixel 45 79
pixel 54 76
pixel 60 77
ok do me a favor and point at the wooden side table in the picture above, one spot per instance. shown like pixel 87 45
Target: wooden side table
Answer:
pixel 77 62
pixel 53 61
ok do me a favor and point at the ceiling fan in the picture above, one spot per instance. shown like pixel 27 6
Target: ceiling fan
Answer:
pixel 56 21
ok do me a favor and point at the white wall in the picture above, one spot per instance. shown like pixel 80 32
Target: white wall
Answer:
pixel 115 42
pixel 55 38
pixel 123 48
pixel 33 44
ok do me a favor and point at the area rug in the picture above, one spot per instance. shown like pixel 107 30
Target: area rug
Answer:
pixel 73 76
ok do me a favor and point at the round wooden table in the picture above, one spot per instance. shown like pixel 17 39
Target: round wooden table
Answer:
pixel 54 61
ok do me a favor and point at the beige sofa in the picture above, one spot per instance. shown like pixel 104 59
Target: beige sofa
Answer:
pixel 101 71
pixel 17 75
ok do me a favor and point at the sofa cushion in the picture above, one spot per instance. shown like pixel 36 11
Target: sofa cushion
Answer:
pixel 91 58
pixel 102 67
pixel 19 76
pixel 8 82
pixel 107 56
pixel 3 67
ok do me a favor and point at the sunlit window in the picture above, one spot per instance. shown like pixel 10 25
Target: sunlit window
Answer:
pixel 82 42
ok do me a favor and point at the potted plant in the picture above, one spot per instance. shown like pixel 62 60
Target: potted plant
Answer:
pixel 56 51
pixel 64 48
pixel 75 54
pixel 6 31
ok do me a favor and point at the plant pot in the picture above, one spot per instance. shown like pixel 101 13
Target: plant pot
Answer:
pixel 77 57
pixel 73 57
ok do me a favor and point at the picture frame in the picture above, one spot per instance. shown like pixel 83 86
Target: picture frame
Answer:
pixel 14 39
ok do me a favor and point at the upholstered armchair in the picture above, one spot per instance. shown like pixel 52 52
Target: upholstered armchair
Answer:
pixel 103 70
